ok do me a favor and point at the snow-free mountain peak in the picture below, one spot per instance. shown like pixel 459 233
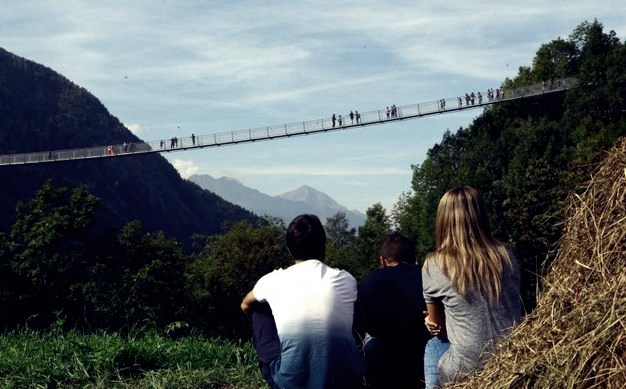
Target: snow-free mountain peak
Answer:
pixel 312 196
pixel 304 199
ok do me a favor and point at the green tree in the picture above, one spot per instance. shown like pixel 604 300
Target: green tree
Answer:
pixel 557 59
pixel 409 217
pixel 370 237
pixel 141 283
pixel 527 156
pixel 10 287
pixel 445 167
pixel 227 268
pixel 338 231
pixel 340 244
pixel 49 242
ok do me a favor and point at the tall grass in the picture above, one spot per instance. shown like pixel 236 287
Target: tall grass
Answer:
pixel 58 359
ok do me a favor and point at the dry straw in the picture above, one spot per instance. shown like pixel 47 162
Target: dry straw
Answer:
pixel 576 338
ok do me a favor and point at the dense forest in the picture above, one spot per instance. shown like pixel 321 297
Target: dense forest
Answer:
pixel 525 156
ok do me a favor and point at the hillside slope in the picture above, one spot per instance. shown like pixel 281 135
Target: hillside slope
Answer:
pixel 42 110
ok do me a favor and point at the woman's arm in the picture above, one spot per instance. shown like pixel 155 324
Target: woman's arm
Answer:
pixel 435 321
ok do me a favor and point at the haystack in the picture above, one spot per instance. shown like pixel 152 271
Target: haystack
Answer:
pixel 576 338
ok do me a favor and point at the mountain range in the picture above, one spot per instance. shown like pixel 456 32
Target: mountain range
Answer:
pixel 285 206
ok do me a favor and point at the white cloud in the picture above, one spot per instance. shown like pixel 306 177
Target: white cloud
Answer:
pixel 185 168
pixel 135 128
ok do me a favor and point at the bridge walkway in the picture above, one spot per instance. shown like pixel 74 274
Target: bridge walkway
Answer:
pixel 381 116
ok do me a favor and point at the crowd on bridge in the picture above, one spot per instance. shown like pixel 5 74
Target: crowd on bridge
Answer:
pixel 404 325
pixel 174 142
pixel 126 147
pixel 337 120
pixel 391 112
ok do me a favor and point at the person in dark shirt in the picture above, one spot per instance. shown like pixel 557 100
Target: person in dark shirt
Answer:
pixel 389 316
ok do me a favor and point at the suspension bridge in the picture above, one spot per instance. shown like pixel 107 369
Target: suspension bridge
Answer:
pixel 357 120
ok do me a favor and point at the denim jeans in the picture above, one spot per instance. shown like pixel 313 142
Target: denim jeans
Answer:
pixel 393 364
pixel 435 348
pixel 266 341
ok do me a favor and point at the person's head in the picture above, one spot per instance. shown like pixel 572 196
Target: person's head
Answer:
pixel 466 250
pixel 306 238
pixel 397 248
pixel 461 216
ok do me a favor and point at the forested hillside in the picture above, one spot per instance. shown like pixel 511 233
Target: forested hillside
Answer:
pixel 527 156
pixel 41 110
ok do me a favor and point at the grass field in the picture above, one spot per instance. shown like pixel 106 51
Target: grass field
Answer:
pixel 58 359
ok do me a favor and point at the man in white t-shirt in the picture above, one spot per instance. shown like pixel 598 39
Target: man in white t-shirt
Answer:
pixel 302 317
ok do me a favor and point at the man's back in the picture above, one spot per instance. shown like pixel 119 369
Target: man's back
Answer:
pixel 389 309
pixel 390 302
pixel 312 305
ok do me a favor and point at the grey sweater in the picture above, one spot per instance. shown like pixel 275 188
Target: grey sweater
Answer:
pixel 472 325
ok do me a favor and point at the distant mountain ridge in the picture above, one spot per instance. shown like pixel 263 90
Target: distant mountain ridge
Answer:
pixel 285 206
pixel 311 196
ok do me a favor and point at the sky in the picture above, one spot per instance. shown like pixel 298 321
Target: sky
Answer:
pixel 169 68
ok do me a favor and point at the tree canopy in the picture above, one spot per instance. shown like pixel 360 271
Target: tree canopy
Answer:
pixel 527 156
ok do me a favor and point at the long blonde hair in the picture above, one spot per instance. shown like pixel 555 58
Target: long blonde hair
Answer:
pixel 466 251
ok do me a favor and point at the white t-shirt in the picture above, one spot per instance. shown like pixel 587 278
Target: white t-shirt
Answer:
pixel 313 306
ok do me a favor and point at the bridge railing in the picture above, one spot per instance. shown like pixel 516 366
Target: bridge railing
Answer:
pixel 299 128
pixel 382 115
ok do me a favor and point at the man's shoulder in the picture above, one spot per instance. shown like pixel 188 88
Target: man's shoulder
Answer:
pixel 272 277
pixel 401 273
pixel 372 276
pixel 343 276
pixel 334 271
pixel 400 270
pixel 312 268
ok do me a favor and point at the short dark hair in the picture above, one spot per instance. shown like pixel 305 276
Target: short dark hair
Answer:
pixel 399 248
pixel 306 238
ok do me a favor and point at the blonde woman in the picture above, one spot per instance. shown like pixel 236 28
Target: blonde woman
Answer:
pixel 474 279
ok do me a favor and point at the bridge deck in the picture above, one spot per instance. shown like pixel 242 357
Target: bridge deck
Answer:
pixel 413 111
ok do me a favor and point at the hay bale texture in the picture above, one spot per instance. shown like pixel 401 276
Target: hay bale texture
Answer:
pixel 576 337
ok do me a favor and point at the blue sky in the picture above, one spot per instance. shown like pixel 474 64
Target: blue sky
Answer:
pixel 170 68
